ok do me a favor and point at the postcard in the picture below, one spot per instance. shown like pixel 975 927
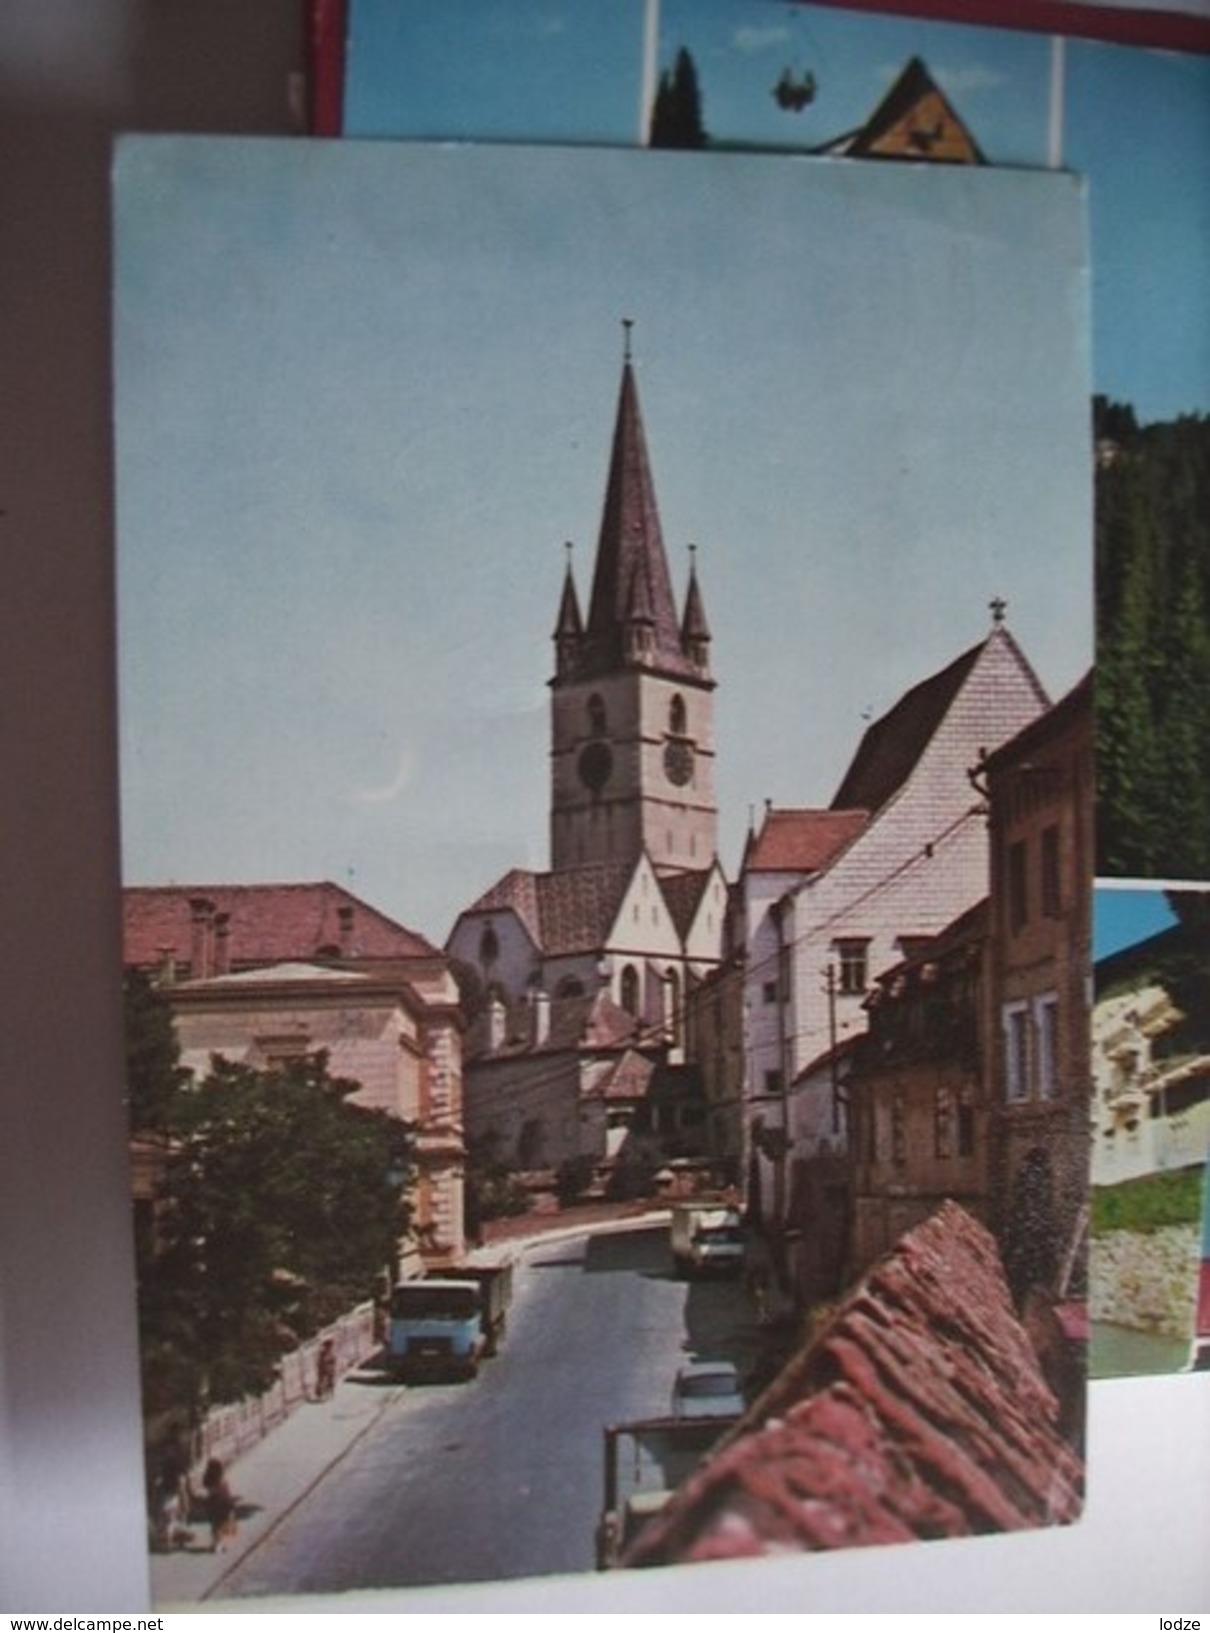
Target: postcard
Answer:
pixel 606 774
pixel 1151 1128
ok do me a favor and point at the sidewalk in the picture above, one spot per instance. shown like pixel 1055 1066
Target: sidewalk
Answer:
pixel 271 1480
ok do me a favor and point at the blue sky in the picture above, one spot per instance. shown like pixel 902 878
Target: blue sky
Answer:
pixel 1124 915
pixel 365 391
pixel 1136 123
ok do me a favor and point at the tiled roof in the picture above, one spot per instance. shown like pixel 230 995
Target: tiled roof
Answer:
pixel 683 895
pixel 802 841
pixel 518 891
pixel 571 911
pixel 891 747
pixel 919 1412
pixel 1074 708
pixel 627 1079
pixel 266 924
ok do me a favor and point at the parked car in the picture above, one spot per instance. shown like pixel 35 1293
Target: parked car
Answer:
pixel 707 1389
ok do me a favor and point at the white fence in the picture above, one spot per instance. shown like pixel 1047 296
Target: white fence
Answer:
pixel 227 1432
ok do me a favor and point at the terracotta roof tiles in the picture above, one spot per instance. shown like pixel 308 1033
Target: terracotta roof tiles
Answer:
pixel 264 924
pixel 919 1412
pixel 802 841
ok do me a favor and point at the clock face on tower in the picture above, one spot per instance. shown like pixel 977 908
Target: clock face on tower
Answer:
pixel 678 761
pixel 594 765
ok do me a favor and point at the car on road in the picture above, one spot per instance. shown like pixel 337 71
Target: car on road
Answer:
pixel 707 1389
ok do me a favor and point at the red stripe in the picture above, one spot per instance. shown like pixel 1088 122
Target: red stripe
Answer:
pixel 326 40
pixel 1172 30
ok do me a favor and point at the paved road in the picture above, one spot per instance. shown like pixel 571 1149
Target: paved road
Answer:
pixel 502 1477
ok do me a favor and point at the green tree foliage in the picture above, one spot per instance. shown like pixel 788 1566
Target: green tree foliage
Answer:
pixel 281 1205
pixel 1149 1203
pixel 153 1059
pixel 1153 648
pixel 676 116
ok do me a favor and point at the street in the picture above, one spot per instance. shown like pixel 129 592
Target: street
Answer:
pixel 502 1477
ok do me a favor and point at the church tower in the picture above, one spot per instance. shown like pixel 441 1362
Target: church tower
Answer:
pixel 632 710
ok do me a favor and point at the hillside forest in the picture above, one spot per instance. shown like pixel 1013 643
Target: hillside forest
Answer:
pixel 1153 645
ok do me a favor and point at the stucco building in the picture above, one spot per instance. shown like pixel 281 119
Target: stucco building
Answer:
pixel 263 974
pixel 832 898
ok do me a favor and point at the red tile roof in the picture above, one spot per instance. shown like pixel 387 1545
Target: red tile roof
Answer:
pixel 802 841
pixel 266 924
pixel 571 911
pixel 919 1412
pixel 683 894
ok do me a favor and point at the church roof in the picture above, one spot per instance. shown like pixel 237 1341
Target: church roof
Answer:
pixel 570 911
pixel 628 1078
pixel 893 745
pixel 802 841
pixel 264 924
pixel 683 894
pixel 631 578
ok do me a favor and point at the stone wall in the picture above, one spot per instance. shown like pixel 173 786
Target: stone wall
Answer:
pixel 1145 1280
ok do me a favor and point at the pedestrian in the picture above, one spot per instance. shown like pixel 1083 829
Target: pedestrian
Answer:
pixel 219 1505
pixel 173 1495
pixel 325 1370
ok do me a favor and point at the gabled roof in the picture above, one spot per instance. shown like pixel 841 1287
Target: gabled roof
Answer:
pixel 914 121
pixel 919 1411
pixel 574 909
pixel 892 747
pixel 628 1078
pixel 683 894
pixel 264 924
pixel 1074 708
pixel 802 841
pixel 517 892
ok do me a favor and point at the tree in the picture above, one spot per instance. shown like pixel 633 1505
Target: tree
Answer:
pixel 282 1205
pixel 676 116
pixel 1153 654
pixel 153 1058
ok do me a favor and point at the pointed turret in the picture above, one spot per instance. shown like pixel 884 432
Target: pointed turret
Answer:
pixel 569 626
pixel 695 631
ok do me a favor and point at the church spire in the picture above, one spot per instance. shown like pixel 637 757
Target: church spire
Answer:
pixel 569 626
pixel 631 566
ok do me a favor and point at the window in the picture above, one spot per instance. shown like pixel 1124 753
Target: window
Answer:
pixel 489 946
pixel 1018 887
pixel 898 1131
pixel 966 1129
pixel 597 722
pixel 1052 889
pixel 630 990
pixel 1046 1029
pixel 768 992
pixel 774 1082
pixel 1016 1051
pixel 677 718
pixel 943 1122
pixel 853 960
